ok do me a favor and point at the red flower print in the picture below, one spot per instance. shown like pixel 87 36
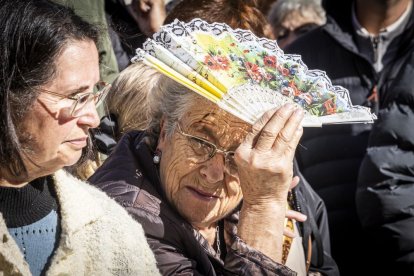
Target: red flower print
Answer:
pixel 217 62
pixel 296 91
pixel 210 62
pixel 268 76
pixel 329 106
pixel 270 61
pixel 246 51
pixel 223 62
pixel 285 72
pixel 254 71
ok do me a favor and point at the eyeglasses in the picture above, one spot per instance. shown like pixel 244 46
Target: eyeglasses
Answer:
pixel 205 150
pixel 100 90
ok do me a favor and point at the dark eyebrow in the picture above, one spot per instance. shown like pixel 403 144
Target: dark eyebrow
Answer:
pixel 78 90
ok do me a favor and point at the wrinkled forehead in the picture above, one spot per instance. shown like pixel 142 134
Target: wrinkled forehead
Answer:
pixel 207 120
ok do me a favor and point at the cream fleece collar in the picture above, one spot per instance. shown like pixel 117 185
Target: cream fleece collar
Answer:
pixel 71 196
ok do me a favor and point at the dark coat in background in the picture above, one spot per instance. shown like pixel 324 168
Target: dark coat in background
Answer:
pixel 385 194
pixel 130 177
pixel 331 157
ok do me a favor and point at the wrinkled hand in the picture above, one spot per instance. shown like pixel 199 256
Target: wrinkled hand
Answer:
pixel 148 14
pixel 265 158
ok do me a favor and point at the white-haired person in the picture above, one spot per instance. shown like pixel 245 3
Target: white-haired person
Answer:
pixel 209 189
pixel 290 19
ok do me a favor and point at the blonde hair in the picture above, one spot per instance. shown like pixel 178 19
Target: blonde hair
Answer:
pixel 128 97
pixel 141 98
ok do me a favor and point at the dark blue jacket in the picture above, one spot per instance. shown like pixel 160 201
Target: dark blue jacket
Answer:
pixel 335 158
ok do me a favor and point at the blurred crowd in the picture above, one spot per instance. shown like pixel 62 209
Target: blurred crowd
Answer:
pixel 352 194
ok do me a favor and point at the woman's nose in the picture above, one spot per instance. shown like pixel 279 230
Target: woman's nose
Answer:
pixel 213 169
pixel 90 116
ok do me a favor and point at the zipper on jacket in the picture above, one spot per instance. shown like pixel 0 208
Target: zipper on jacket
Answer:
pixel 375 42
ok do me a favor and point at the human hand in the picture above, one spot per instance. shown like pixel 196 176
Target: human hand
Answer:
pixel 293 215
pixel 148 14
pixel 294 183
pixel 265 158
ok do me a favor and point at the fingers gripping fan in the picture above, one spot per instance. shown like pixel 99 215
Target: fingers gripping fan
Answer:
pixel 246 75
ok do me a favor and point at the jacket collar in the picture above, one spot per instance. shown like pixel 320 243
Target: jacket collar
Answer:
pixel 71 194
pixel 139 174
pixel 339 27
pixel 342 35
pixel 11 259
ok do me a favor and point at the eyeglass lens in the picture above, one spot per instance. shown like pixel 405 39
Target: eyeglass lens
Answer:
pixel 98 94
pixel 204 151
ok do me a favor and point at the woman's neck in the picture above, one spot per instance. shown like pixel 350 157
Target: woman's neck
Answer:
pixel 209 233
pixel 13 184
pixel 7 179
pixel 375 15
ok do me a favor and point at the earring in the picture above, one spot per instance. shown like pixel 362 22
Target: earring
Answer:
pixel 157 157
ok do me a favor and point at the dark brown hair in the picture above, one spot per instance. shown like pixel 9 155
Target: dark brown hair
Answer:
pixel 33 34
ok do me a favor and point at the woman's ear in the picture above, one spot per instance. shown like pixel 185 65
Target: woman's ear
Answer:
pixel 162 137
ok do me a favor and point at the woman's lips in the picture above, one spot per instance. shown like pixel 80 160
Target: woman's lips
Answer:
pixel 78 143
pixel 202 195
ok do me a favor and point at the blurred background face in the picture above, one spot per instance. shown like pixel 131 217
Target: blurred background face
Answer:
pixel 294 25
pixel 52 138
pixel 203 193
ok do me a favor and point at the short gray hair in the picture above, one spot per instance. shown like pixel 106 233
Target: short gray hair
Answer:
pixel 168 103
pixel 142 98
pixel 281 8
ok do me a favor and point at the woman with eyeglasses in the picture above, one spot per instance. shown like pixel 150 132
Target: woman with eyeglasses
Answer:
pixel 184 178
pixel 50 222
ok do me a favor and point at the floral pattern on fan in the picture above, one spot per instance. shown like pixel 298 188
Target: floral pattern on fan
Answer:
pixel 224 65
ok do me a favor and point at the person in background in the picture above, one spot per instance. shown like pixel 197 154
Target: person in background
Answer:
pixel 131 22
pixel 148 14
pixel 264 5
pixel 93 11
pixel 127 107
pixel 367 47
pixel 290 19
pixel 242 14
pixel 50 222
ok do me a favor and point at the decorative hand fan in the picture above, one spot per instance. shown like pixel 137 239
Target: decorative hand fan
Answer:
pixel 246 75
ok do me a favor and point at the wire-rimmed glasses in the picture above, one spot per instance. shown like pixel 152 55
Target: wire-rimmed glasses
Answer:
pixel 205 150
pixel 80 100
